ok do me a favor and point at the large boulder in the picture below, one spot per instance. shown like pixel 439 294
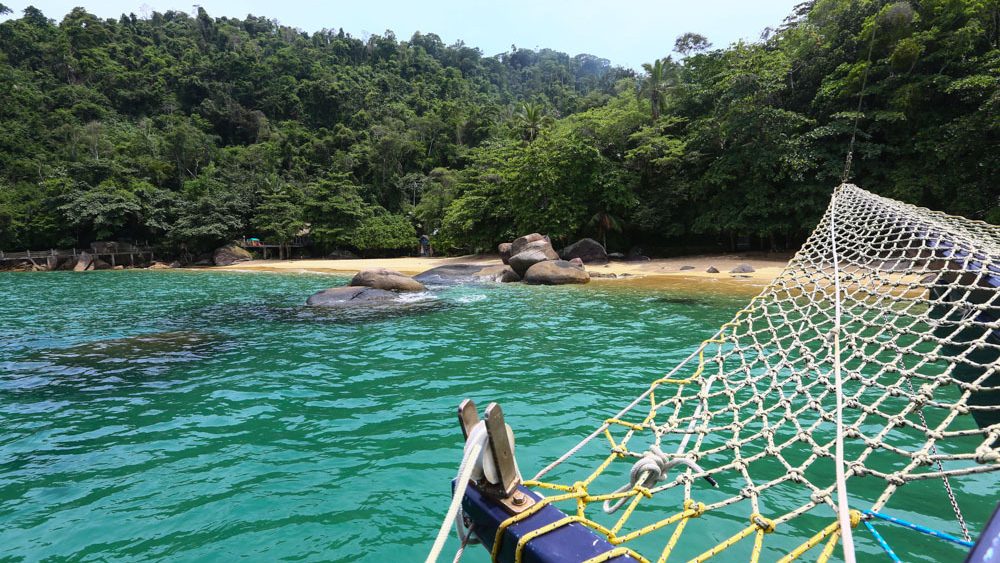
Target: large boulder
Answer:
pixel 504 250
pixel 101 264
pixel 532 253
pixel 556 272
pixel 502 274
pixel 350 297
pixel 454 274
pixel 742 269
pixel 588 250
pixel 388 280
pixel 231 254
pixel 521 243
pixel 84 262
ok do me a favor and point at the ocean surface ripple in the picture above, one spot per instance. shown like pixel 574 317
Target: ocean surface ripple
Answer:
pixel 204 416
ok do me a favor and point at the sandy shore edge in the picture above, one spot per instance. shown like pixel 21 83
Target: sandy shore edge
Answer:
pixel 661 273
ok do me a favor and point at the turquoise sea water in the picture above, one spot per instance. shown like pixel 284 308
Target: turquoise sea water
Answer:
pixel 205 416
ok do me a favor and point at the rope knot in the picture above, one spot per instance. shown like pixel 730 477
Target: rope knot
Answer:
pixel 895 479
pixel 985 456
pixel 766 525
pixel 855 518
pixel 697 507
pixel 795 474
pixel 580 488
pixel 643 491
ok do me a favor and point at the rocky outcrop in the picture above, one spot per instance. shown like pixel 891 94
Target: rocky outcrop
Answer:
pixel 84 262
pixel 742 269
pixel 158 266
pixel 351 296
pixel 101 264
pixel 556 272
pixel 588 250
pixel 531 254
pixel 504 250
pixel 231 254
pixel 521 243
pixel 384 279
pixel 454 274
pixel 502 274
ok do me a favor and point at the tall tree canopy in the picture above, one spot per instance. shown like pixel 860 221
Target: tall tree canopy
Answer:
pixel 192 130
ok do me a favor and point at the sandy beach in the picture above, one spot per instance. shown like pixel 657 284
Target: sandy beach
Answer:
pixel 662 273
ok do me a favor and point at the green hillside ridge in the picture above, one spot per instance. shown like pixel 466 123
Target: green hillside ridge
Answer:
pixel 192 131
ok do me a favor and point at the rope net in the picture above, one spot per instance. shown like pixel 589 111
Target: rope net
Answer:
pixel 754 410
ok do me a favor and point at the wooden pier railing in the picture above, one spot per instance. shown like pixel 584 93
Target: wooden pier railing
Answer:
pixel 109 251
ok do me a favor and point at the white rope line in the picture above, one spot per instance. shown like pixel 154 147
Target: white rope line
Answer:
pixel 843 510
pixel 474 447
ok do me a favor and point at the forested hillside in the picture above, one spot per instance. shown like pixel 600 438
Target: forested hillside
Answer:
pixel 190 131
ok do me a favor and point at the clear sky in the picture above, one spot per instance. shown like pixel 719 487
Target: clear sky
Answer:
pixel 628 32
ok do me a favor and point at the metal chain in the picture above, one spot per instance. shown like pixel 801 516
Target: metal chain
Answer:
pixel 947 483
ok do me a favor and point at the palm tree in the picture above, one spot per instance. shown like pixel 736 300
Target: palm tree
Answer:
pixel 655 85
pixel 604 222
pixel 531 119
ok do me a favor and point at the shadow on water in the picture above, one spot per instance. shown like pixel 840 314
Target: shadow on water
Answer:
pixel 110 363
pixel 680 300
pixel 372 311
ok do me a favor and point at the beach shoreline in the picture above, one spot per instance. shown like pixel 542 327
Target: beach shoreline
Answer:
pixel 659 273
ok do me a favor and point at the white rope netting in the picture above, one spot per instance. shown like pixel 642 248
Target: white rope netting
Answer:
pixel 756 408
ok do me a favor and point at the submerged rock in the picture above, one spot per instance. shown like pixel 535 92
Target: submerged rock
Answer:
pixel 742 269
pixel 231 254
pixel 389 280
pixel 350 296
pixel 588 250
pixel 454 274
pixel 555 272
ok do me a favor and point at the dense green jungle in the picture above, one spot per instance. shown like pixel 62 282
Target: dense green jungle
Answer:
pixel 189 131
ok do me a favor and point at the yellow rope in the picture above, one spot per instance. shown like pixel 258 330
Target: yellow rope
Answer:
pixel 819 537
pixel 824 555
pixel 616 552
pixel 578 492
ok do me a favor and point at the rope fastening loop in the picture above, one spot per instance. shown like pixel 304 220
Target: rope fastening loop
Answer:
pixel 652 467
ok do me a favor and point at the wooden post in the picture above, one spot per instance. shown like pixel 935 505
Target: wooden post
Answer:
pixel 131 259
pixel 113 260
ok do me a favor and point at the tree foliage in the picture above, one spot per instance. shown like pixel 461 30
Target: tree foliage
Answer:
pixel 190 131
